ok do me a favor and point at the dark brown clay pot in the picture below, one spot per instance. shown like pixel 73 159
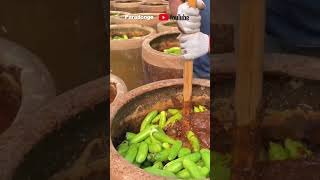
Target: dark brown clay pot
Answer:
pixel 114 18
pixel 25 83
pixel 23 137
pixel 154 7
pixel 164 26
pixel 131 6
pixel 158 65
pixel 126 114
pixel 124 52
pixel 290 109
pixel 117 88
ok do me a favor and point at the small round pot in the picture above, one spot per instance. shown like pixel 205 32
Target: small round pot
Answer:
pixel 113 18
pixel 24 136
pixel 154 7
pixel 127 6
pixel 27 83
pixel 124 52
pixel 126 114
pixel 156 64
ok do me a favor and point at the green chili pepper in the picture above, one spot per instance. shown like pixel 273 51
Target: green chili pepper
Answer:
pixel 196 109
pixel 147 120
pixel 175 150
pixel 155 148
pixel 205 154
pixel 159 172
pixel 173 51
pixel 204 171
pixel 202 108
pixel 148 140
pixel 194 157
pixel 194 141
pixel 163 155
pixel 173 111
pixel 141 135
pixel 132 152
pixel 154 140
pixel 156 119
pixel 174 167
pixel 193 169
pixel 173 119
pixel 184 151
pixel 200 163
pixel 163 137
pixel 184 174
pixel 163 119
pixel 166 145
pixel 123 148
pixel 130 136
pixel 151 157
pixel 158 165
pixel 142 152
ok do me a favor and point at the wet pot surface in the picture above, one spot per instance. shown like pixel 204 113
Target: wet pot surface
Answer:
pixel 60 149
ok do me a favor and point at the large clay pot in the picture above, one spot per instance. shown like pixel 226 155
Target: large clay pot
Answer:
pixel 131 6
pixel 127 113
pixel 125 55
pixel 290 110
pixel 117 88
pixel 154 7
pixel 151 22
pixel 29 144
pixel 164 26
pixel 25 84
pixel 114 15
pixel 158 65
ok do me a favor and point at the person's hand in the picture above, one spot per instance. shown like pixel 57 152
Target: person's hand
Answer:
pixel 193 24
pixel 194 45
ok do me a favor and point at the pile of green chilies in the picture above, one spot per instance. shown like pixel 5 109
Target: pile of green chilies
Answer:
pixel 159 154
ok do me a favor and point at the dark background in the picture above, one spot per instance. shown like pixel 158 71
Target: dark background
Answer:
pixel 68 36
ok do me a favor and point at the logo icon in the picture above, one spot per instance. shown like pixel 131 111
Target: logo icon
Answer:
pixel 163 17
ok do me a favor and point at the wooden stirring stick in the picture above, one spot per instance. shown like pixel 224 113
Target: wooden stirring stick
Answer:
pixel 187 79
pixel 248 92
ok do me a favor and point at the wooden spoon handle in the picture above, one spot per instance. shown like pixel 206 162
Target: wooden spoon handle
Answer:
pixel 188 70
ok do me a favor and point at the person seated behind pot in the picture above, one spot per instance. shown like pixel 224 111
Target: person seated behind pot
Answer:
pixel 293 26
pixel 194 41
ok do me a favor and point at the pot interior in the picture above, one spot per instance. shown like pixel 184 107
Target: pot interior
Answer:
pixel 130 115
pixel 10 95
pixel 129 1
pixel 290 110
pixel 171 24
pixel 130 32
pixel 60 150
pixel 165 41
pixel 155 4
